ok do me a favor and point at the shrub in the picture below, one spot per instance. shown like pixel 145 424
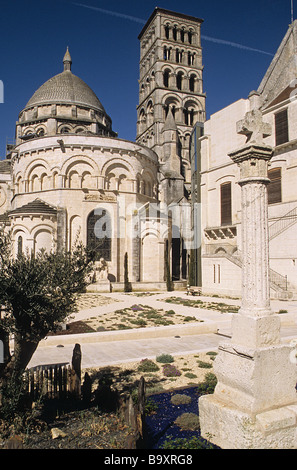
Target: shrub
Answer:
pixel 146 365
pixel 188 422
pixel 204 365
pixel 150 407
pixel 170 371
pixel 209 384
pixel 170 312
pixel 165 358
pixel 190 375
pixel 188 318
pixel 139 322
pixel 136 308
pixel 180 399
pixel 184 443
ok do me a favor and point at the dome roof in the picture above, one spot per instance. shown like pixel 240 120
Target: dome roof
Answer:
pixel 65 88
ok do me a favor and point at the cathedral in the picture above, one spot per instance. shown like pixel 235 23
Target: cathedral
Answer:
pixel 70 177
pixel 171 199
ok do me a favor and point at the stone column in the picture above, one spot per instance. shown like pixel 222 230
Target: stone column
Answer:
pixel 253 161
pixel 254 404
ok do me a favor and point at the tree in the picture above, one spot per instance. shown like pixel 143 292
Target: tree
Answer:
pixel 169 282
pixel 127 284
pixel 38 293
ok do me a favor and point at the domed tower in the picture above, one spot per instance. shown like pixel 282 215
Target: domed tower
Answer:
pixel 72 178
pixel 64 104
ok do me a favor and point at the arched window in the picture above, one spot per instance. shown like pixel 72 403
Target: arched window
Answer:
pixel 174 33
pixel 179 79
pixel 192 83
pixel 40 132
pixel 178 56
pixel 99 233
pixel 65 130
pixel 166 53
pixel 166 78
pixel 182 35
pixel 189 115
pixel 167 31
pixel 20 245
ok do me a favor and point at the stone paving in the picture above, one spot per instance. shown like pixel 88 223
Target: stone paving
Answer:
pixel 98 354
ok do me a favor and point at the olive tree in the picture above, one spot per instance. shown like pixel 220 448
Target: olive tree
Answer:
pixel 37 293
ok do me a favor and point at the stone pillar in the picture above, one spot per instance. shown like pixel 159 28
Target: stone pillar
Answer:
pixel 254 404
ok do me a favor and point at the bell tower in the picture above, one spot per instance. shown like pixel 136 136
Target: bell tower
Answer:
pixel 170 80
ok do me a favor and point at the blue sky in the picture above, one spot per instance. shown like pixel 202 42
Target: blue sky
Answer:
pixel 239 39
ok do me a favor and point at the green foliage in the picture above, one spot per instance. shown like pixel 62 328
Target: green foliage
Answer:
pixel 169 282
pixel 40 291
pixel 170 370
pixel 192 269
pixel 184 443
pixel 170 312
pixel 188 421
pixel 127 284
pixel 208 386
pixel 150 407
pixel 204 365
pixel 180 399
pixel 190 375
pixel 165 358
pixel 146 365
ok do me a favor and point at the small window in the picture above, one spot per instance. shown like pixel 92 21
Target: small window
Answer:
pixel 281 127
pixel 179 79
pixel 20 245
pixel 65 130
pixel 192 83
pixel 166 78
pixel 167 31
pixel 226 206
pixel 274 188
pixel 174 33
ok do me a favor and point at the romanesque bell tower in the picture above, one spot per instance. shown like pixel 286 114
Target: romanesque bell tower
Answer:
pixel 170 86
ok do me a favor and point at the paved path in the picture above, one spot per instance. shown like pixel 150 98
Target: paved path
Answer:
pixel 98 354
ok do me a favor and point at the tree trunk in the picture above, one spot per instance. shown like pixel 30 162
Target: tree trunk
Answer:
pixel 23 352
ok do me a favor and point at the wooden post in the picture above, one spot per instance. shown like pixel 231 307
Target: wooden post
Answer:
pixel 75 380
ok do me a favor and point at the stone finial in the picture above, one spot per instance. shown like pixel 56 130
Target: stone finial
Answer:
pixel 67 61
pixel 252 126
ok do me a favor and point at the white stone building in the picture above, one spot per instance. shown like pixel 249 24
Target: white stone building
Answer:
pixel 220 193
pixel 69 176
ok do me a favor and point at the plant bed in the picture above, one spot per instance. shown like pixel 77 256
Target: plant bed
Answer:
pixel 219 306
pixel 174 424
pixel 74 328
pixel 138 316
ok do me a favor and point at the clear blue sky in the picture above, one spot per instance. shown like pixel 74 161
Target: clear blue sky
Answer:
pixel 104 46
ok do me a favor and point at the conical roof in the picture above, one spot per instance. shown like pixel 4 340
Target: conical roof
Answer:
pixel 65 88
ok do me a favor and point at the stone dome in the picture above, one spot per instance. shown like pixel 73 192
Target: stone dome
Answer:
pixel 65 88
